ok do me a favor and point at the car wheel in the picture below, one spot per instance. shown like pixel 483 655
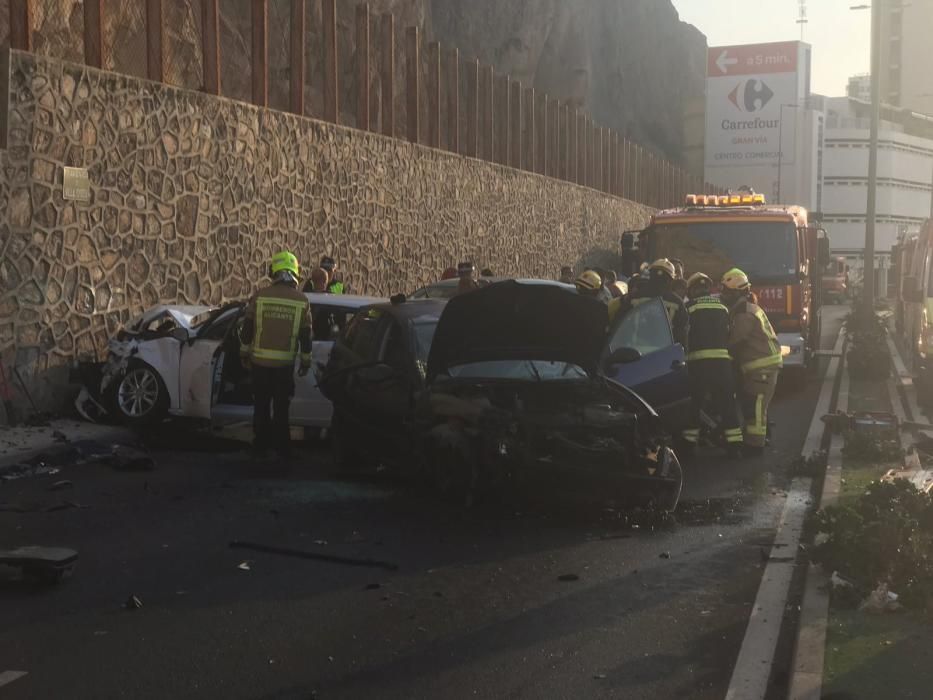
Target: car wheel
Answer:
pixel 140 397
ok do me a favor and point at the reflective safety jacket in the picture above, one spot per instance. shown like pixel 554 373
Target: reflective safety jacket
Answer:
pixel 752 341
pixel 277 324
pixel 709 329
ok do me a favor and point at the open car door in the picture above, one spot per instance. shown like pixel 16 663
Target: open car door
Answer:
pixel 654 365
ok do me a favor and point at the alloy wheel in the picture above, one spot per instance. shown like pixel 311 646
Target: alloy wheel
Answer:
pixel 138 393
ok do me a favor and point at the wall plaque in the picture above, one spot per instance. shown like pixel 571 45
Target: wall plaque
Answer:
pixel 76 184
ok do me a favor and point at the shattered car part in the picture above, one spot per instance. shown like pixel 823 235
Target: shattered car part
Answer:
pixel 500 385
pixel 184 361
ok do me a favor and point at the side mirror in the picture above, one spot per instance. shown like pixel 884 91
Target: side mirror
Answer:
pixel 376 374
pixel 629 239
pixel 630 252
pixel 179 334
pixel 624 356
pixel 823 252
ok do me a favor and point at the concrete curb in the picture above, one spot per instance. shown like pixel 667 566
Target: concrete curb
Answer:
pixel 755 663
pixel 806 681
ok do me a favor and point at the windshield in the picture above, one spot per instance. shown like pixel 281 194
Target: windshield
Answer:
pixel 760 249
pixel 525 370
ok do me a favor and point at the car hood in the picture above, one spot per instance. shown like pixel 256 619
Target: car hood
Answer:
pixel 181 314
pixel 511 320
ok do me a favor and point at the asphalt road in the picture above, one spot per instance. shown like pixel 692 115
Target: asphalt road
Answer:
pixel 476 607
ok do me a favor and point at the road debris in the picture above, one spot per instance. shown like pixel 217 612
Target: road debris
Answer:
pixel 129 459
pixel 664 555
pixel 244 565
pixel 880 600
pixel 133 603
pixel 61 485
pixel 46 564
pixel 568 577
pixel 302 554
pixel 59 436
pixel 65 505
pixel 372 586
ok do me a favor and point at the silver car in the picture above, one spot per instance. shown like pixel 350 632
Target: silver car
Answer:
pixel 184 361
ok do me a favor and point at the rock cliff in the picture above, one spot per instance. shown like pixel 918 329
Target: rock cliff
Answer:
pixel 631 63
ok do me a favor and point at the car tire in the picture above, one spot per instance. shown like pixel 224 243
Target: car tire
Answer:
pixel 139 398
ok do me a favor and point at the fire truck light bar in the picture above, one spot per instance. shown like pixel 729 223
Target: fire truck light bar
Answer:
pixel 726 200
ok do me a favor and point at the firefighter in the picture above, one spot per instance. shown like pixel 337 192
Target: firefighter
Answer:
pixel 756 352
pixel 589 284
pixel 660 279
pixel 709 365
pixel 277 326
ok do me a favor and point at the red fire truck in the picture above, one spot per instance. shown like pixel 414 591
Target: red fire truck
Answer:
pixel 778 246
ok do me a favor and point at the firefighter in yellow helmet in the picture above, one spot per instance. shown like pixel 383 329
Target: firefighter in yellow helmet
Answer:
pixel 709 365
pixel 658 285
pixel 589 284
pixel 277 328
pixel 754 347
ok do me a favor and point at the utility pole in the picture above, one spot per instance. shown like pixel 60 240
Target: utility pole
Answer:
pixel 877 8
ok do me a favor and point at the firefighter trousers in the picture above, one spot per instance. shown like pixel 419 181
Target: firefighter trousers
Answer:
pixel 757 391
pixel 712 388
pixel 273 388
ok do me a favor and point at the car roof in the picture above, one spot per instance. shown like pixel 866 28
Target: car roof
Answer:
pixel 414 309
pixel 492 280
pixel 349 301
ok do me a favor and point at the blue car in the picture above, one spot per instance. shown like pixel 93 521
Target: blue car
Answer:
pixel 641 354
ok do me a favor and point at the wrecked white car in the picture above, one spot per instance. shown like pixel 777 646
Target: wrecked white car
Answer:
pixel 184 361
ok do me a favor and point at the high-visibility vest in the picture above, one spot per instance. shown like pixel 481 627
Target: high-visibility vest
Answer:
pixel 281 316
pixel 709 329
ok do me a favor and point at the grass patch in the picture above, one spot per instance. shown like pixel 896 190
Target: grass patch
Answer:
pixel 878 656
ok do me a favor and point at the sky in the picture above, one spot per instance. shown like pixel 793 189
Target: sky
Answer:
pixel 841 38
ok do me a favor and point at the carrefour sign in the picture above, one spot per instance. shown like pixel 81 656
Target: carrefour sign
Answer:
pixel 745 89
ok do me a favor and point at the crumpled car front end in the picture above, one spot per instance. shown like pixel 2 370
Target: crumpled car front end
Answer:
pixel 586 435
pixel 153 336
pixel 514 393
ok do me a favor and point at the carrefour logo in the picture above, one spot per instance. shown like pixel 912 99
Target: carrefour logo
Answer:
pixel 751 95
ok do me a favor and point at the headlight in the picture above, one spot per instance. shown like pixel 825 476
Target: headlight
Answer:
pixel 786 350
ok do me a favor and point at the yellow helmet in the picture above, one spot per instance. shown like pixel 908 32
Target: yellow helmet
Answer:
pixel 700 282
pixel 589 280
pixel 664 265
pixel 736 280
pixel 283 261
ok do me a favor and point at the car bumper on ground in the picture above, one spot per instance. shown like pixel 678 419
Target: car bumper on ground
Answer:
pixel 793 349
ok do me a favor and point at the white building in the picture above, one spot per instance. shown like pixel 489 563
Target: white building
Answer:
pixel 860 87
pixel 905 178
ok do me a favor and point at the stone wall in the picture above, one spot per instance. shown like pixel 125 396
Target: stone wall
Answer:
pixel 191 194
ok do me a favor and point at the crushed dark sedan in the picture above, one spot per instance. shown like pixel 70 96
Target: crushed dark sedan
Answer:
pixel 503 384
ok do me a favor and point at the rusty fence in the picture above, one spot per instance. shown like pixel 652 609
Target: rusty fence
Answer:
pixel 406 88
